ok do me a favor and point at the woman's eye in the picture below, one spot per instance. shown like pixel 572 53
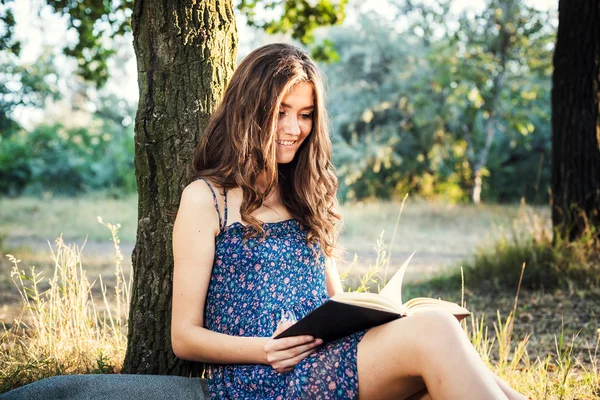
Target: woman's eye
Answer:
pixel 308 116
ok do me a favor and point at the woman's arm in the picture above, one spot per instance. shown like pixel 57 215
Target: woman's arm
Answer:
pixel 334 284
pixel 194 234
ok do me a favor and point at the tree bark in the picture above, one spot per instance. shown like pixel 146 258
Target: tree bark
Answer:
pixel 576 120
pixel 185 54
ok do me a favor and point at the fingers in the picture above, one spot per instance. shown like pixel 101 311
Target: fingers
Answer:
pixel 291 353
pixel 287 343
pixel 294 356
pixel 288 365
pixel 284 354
pixel 295 360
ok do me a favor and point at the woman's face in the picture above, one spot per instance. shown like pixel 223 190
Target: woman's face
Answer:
pixel 295 121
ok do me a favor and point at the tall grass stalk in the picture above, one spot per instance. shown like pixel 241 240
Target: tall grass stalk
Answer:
pixel 387 263
pixel 372 276
pixel 61 329
pixel 122 285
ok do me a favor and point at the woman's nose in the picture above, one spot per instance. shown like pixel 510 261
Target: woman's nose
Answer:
pixel 291 125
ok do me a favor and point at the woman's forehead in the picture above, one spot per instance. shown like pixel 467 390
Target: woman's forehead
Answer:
pixel 299 96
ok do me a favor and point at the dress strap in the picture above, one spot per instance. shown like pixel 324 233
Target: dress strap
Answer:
pixel 225 197
pixel 222 223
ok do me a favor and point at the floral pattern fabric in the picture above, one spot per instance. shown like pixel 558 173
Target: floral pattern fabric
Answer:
pixel 253 284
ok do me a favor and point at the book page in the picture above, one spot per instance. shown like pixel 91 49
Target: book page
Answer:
pixel 423 304
pixel 369 300
pixel 427 302
pixel 393 289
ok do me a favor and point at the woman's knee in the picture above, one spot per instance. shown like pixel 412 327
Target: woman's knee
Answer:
pixel 436 330
pixel 439 319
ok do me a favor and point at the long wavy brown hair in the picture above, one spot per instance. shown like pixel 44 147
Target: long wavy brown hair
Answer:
pixel 239 144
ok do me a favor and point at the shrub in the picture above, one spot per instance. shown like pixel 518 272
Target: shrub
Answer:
pixel 52 158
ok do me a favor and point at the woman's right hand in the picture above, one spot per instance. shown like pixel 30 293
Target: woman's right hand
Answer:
pixel 283 354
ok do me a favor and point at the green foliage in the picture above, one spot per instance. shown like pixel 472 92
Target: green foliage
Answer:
pixel 7 18
pixel 71 161
pixel 94 21
pixel 300 18
pixel 520 169
pixel 97 21
pixel 20 84
pixel 14 170
pixel 413 105
pixel 24 85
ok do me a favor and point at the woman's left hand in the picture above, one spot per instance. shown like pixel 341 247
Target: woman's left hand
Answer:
pixel 283 354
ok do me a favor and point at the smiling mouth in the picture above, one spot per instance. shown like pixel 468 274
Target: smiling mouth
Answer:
pixel 286 142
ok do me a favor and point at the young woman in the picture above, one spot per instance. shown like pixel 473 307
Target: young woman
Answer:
pixel 254 242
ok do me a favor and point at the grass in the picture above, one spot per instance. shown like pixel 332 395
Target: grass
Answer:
pixel 27 223
pixel 27 220
pixel 550 264
pixel 426 226
pixel 64 329
pixel 545 344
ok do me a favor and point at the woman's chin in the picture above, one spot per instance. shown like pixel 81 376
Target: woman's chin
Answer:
pixel 285 159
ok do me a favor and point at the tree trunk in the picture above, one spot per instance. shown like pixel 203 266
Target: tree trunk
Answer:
pixel 185 54
pixel 576 119
pixel 504 38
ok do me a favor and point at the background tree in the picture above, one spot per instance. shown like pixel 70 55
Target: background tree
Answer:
pixel 576 121
pixel 21 84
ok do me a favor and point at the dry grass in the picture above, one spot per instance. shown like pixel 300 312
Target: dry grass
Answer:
pixel 63 329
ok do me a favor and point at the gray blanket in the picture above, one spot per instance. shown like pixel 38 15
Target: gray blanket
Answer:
pixel 111 387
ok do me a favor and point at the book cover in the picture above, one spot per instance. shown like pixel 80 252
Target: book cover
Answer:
pixel 333 320
pixel 346 313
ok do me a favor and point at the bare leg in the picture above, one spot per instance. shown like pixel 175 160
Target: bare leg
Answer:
pixel 511 393
pixel 401 358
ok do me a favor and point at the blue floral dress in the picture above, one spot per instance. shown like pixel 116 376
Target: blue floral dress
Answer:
pixel 253 284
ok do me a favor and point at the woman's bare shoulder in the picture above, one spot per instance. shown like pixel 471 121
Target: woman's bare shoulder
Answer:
pixel 198 195
pixel 197 208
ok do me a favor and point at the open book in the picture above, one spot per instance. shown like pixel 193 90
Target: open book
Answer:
pixel 346 312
